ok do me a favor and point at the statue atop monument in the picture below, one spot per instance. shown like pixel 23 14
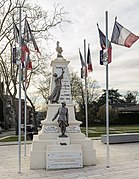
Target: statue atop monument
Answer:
pixel 59 50
pixel 54 97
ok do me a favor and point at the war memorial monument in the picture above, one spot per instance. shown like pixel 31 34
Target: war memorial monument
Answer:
pixel 60 143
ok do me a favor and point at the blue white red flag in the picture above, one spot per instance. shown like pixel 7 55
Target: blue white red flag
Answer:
pixel 102 38
pixel 83 68
pixel 89 63
pixel 28 36
pixel 122 36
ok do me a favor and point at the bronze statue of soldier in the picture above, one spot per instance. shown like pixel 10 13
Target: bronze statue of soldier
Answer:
pixel 62 114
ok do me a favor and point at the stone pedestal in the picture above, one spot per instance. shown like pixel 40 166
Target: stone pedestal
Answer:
pixel 46 146
pixel 63 141
pixel 39 149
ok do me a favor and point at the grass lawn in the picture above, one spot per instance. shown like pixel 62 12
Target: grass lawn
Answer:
pixel 97 131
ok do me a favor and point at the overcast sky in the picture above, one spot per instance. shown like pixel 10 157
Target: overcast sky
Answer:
pixel 85 14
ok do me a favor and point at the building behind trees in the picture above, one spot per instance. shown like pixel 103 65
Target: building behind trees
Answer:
pixel 9 122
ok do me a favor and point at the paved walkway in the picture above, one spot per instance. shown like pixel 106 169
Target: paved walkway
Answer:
pixel 124 164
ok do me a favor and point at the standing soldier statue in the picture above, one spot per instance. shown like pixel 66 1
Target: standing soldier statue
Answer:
pixel 62 119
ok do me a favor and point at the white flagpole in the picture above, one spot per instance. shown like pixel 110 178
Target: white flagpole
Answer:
pixel 25 115
pixel 107 93
pixel 19 109
pixel 86 112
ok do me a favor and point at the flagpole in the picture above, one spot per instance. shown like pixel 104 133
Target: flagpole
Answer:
pixel 107 93
pixel 25 110
pixel 19 109
pixel 86 112
pixel 25 115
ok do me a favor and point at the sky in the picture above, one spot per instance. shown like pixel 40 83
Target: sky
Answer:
pixel 84 15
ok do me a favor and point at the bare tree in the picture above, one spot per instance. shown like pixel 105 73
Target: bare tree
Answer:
pixel 41 23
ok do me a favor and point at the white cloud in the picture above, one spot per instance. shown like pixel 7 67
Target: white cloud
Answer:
pixel 84 14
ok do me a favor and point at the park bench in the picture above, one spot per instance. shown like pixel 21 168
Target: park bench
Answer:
pixel 120 138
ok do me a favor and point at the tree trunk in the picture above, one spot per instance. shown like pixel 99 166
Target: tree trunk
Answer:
pixel 34 119
pixel 6 126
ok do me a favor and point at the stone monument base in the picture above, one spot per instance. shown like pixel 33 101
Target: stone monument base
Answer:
pixel 47 153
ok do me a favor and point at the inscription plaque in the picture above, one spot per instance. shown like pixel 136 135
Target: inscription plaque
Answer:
pixel 51 129
pixel 73 129
pixel 68 159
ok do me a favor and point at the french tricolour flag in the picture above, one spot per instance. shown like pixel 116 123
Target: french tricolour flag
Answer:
pixel 102 38
pixel 122 36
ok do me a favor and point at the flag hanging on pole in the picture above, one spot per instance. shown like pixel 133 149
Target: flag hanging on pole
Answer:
pixel 16 33
pixel 102 38
pixel 15 50
pixel 14 55
pixel 83 66
pixel 25 53
pixel 29 67
pixel 101 57
pixel 81 58
pixel 24 49
pixel 122 36
pixel 26 63
pixel 28 36
pixel 89 63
